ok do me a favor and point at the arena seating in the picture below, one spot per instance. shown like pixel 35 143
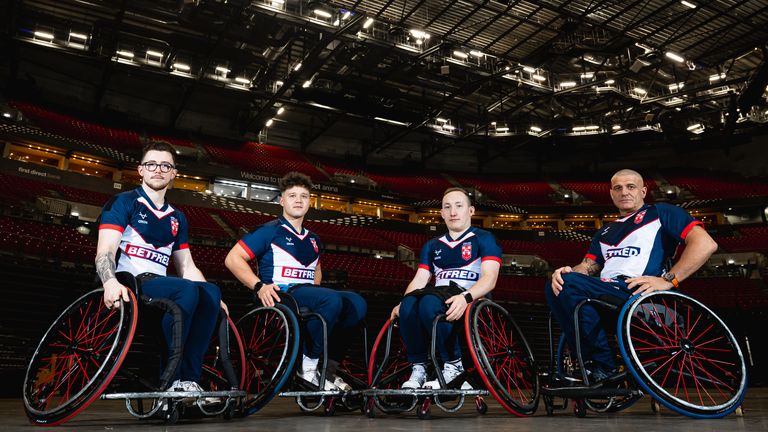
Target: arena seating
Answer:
pixel 598 191
pixel 718 185
pixel 523 191
pixel 264 158
pixel 46 240
pixel 416 186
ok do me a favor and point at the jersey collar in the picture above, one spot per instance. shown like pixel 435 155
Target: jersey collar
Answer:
pixel 287 225
pixel 644 207
pixel 463 235
pixel 151 203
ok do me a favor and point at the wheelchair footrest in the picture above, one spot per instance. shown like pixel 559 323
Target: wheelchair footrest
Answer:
pixel 317 393
pixel 579 392
pixel 174 394
pixel 425 392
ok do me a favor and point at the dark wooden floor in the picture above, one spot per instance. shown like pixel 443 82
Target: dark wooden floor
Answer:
pixel 283 415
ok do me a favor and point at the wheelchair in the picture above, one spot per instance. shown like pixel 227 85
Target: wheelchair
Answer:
pixel 85 347
pixel 673 348
pixel 497 361
pixel 272 339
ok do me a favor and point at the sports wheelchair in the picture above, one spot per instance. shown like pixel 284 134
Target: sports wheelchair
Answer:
pixel 497 361
pixel 673 348
pixel 272 339
pixel 84 348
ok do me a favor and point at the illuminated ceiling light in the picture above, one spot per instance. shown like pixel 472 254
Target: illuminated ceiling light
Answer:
pixel 567 84
pixel 579 128
pixel 322 13
pixel 441 120
pixel 476 53
pixel 279 83
pixel 536 129
pixel 460 54
pixel 44 35
pixel 126 54
pixel 676 86
pixel 587 75
pixel 157 54
pixel 277 2
pixel 591 127
pixel 368 23
pixel 449 127
pixel 181 66
pixel 616 127
pixel 688 4
pixel 419 34
pixel 538 77
pixel 78 36
pixel 346 15
pixel 716 77
pixel 502 129
pixel 673 56
pixel 269 123
pixel 222 69
pixel 7 115
pixel 640 90
pixel 243 80
pixel 529 69
pixel 297 67
pixel 610 82
pixel 280 110
pixel 307 84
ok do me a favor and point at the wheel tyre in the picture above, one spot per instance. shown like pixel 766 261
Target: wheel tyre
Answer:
pixel 548 407
pixel 481 406
pixel 368 408
pixel 739 411
pixel 330 407
pixel 229 413
pixel 425 410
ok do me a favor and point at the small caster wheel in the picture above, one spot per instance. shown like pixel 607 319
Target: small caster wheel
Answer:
pixel 175 411
pixel 579 408
pixel 480 405
pixel 368 408
pixel 739 411
pixel 548 405
pixel 425 410
pixel 229 412
pixel 655 407
pixel 330 407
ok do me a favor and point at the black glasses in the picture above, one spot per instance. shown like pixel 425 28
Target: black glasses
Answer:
pixel 152 166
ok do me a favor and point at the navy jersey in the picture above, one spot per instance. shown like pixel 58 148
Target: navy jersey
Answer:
pixel 150 235
pixel 640 243
pixel 459 260
pixel 286 257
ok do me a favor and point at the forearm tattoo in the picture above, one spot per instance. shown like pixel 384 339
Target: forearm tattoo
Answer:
pixel 105 267
pixel 591 267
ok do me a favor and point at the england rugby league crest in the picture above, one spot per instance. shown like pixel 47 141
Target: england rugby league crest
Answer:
pixel 174 226
pixel 466 251
pixel 314 244
pixel 639 217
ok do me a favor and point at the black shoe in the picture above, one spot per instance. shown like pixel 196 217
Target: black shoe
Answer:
pixel 597 374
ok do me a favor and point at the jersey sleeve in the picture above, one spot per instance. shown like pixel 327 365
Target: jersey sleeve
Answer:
pixel 675 221
pixel 182 237
pixel 116 214
pixel 489 249
pixel 424 259
pixel 595 252
pixel 256 243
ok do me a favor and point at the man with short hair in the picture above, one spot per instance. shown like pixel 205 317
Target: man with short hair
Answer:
pixel 139 233
pixel 289 260
pixel 633 252
pixel 465 262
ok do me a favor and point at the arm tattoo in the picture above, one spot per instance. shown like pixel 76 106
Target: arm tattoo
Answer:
pixel 105 267
pixel 591 267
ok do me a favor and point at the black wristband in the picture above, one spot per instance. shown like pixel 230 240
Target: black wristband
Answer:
pixel 257 286
pixel 468 297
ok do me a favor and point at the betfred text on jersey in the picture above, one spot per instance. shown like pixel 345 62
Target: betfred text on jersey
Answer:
pixel 457 274
pixel 147 254
pixel 625 252
pixel 298 273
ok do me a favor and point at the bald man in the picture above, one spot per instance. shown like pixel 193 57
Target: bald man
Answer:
pixel 627 256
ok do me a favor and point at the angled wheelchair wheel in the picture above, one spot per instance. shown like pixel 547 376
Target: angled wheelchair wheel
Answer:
pixel 502 357
pixel 223 362
pixel 271 344
pixel 389 368
pixel 682 354
pixel 77 358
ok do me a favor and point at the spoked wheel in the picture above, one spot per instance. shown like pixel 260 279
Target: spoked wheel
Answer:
pixel 77 358
pixel 503 357
pixel 389 368
pixel 271 344
pixel 224 360
pixel 682 354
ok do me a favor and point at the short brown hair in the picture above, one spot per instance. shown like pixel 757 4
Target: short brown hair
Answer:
pixel 458 189
pixel 292 179
pixel 163 146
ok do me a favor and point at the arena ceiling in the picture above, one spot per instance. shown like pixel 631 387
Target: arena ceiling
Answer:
pixel 377 73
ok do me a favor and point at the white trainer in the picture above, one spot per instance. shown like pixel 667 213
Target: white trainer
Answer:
pixel 451 370
pixel 417 378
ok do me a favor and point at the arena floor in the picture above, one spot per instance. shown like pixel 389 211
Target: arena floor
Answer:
pixel 283 415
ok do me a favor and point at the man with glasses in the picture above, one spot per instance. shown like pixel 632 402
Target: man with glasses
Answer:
pixel 139 233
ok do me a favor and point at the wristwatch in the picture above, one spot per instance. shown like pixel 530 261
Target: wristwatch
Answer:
pixel 671 278
pixel 468 297
pixel 257 286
